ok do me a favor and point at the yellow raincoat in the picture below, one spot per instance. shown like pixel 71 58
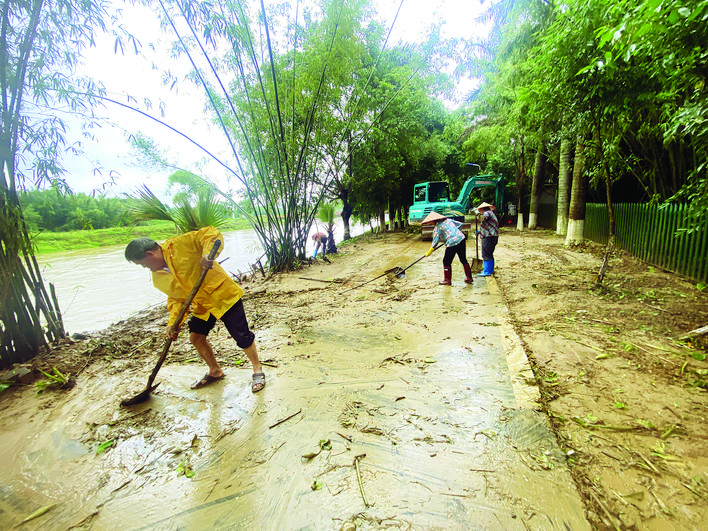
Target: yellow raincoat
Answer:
pixel 182 254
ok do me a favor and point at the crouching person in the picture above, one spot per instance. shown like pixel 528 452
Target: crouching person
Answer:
pixel 176 265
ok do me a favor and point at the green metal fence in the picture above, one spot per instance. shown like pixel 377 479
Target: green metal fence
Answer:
pixel 665 237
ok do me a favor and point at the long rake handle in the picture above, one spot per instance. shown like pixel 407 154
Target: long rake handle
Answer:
pixel 364 283
pixel 419 259
pixel 182 312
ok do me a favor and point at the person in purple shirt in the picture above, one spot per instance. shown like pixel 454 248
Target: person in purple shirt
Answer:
pixel 448 231
pixel 489 233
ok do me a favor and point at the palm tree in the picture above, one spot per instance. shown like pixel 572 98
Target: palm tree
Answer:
pixel 208 211
pixel 326 215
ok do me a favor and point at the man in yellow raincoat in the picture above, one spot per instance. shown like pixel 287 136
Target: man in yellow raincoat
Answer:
pixel 176 266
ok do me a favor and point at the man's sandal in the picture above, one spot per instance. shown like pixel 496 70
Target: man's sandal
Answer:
pixel 258 382
pixel 205 380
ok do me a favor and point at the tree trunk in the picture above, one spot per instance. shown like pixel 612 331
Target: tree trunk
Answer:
pixel 538 173
pixel 563 187
pixel 576 210
pixel 382 221
pixel 401 217
pixel 24 301
pixel 610 209
pixel 347 210
pixel 520 176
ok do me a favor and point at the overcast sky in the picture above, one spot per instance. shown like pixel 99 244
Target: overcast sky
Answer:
pixel 184 107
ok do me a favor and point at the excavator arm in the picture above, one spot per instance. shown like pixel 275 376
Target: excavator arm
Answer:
pixel 482 181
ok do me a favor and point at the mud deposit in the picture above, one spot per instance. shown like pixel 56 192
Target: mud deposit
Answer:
pixel 398 405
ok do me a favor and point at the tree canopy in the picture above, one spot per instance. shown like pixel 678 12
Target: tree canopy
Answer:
pixel 627 78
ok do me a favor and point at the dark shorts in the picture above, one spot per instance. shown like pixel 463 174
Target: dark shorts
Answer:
pixel 235 321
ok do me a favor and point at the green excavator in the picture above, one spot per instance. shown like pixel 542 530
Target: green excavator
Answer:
pixel 434 196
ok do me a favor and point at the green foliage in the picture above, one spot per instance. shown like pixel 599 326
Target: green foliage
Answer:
pixel 50 210
pixel 54 242
pixel 208 210
pixel 326 215
pixel 105 445
pixel 53 378
pixel 409 145
pixel 185 469
pixel 299 98
pixel 627 78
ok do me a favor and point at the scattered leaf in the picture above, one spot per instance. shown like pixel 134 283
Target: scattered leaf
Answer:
pixel 38 513
pixel 316 485
pixel 184 469
pixel 105 446
pixel 311 455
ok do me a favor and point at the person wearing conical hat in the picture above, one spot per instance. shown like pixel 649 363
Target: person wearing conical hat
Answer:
pixel 489 233
pixel 448 231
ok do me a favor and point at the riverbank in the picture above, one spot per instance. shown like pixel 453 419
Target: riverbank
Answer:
pixel 626 398
pixel 53 242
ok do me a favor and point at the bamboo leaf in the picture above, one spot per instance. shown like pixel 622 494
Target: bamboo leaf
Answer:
pixel 38 513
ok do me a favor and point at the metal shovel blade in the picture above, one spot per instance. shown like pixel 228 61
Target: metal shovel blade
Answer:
pixel 400 273
pixel 140 397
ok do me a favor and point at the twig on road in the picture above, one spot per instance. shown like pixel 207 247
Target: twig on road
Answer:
pixel 285 419
pixel 358 477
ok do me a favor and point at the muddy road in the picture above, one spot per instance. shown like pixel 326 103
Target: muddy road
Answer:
pixel 532 400
pixel 401 404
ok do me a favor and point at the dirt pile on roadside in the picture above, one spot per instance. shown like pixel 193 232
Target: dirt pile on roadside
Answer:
pixel 627 399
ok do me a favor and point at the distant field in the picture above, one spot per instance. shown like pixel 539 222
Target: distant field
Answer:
pixel 55 242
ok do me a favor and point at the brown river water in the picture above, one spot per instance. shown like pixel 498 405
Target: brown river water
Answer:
pixel 97 287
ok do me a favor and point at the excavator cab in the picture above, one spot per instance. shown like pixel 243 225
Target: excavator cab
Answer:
pixel 435 196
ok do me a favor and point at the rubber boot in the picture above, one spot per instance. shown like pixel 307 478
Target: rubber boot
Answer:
pixel 468 273
pixel 491 266
pixel 486 268
pixel 447 280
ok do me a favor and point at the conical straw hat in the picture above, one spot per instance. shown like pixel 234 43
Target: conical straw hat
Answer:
pixel 433 217
pixel 485 205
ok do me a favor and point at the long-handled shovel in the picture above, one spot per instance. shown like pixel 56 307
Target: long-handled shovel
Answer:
pixel 145 394
pixel 392 270
pixel 398 271
pixel 476 263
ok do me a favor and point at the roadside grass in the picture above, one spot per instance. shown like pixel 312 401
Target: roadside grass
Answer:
pixel 54 242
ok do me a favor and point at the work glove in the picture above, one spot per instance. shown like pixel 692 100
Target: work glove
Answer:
pixel 430 251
